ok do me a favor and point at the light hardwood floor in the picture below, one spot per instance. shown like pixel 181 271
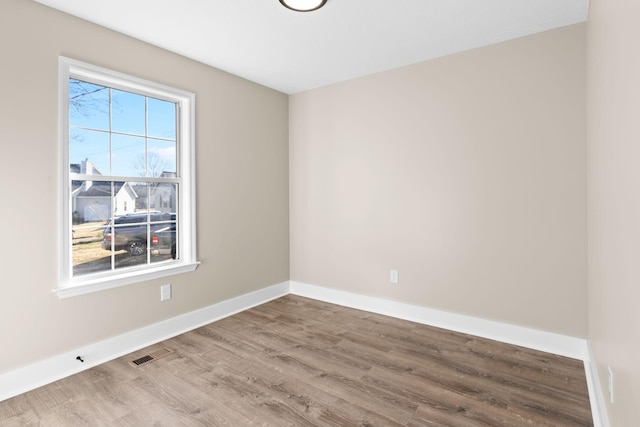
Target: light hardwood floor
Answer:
pixel 300 362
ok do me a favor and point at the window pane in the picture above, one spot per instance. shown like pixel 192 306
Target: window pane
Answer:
pixel 141 189
pixel 91 212
pixel 163 240
pixel 130 237
pixel 161 158
pixel 127 112
pixel 90 147
pixel 88 105
pixel 87 253
pixel 163 198
pixel 91 202
pixel 128 231
pixel 162 119
pixel 128 155
pixel 124 201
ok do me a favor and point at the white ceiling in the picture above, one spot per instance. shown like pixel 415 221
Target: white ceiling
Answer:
pixel 292 52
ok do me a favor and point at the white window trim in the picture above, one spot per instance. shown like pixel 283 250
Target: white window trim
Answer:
pixel 68 285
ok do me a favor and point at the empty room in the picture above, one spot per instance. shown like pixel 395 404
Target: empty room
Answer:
pixel 308 212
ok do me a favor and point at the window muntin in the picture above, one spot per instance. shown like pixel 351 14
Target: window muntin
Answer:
pixel 128 203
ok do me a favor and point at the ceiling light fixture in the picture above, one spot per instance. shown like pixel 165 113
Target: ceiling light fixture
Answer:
pixel 303 5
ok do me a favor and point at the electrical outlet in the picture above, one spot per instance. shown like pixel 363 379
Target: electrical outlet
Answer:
pixel 611 395
pixel 165 292
pixel 393 276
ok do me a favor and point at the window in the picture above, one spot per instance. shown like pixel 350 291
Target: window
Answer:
pixel 128 190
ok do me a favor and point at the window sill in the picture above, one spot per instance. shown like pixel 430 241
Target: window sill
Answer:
pixel 126 278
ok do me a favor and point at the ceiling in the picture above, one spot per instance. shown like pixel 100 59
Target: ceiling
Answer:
pixel 264 42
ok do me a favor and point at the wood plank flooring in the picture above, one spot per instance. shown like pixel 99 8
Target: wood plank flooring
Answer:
pixel 300 362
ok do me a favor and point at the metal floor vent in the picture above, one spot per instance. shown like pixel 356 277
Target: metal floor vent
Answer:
pixel 151 357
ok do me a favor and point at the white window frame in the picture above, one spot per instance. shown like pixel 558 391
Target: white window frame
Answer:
pixel 68 285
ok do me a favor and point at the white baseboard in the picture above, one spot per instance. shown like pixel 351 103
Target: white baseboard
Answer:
pixel 596 394
pixel 47 371
pixel 518 335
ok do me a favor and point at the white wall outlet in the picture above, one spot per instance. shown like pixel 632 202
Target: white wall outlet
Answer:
pixel 611 395
pixel 165 292
pixel 393 276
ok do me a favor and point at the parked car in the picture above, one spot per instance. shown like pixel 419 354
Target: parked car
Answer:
pixel 130 232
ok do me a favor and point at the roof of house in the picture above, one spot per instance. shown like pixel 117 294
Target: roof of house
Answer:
pixel 103 189
pixel 97 188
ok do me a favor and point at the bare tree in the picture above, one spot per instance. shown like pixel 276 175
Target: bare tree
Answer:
pixel 151 165
pixel 87 98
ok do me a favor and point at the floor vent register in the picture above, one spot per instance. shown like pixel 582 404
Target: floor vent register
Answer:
pixel 151 357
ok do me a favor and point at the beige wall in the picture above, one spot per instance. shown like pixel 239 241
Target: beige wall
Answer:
pixel 466 173
pixel 242 161
pixel 613 90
